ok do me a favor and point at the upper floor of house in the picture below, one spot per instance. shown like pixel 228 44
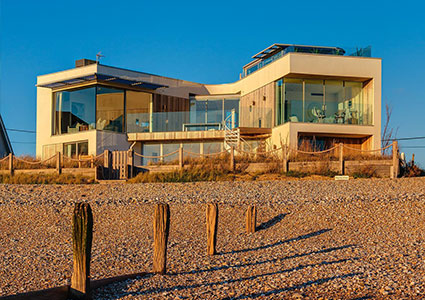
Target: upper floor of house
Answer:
pixel 283 83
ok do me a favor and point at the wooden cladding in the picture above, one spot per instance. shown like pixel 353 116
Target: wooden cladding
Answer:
pixel 164 103
pixel 257 107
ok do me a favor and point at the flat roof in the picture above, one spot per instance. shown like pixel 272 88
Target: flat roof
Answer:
pixel 101 78
pixel 273 49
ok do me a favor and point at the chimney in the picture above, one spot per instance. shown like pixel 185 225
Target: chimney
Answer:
pixel 84 62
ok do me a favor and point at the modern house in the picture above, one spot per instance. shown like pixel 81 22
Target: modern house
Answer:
pixel 5 145
pixel 288 94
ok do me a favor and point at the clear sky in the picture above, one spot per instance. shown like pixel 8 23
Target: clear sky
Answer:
pixel 207 42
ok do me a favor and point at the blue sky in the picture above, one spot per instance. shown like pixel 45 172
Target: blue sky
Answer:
pixel 206 42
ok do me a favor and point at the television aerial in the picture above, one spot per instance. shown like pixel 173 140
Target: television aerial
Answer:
pixel 99 56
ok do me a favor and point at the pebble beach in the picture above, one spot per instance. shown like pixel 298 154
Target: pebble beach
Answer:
pixel 315 239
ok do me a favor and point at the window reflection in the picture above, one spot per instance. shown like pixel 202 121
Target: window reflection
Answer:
pixel 109 109
pixel 323 101
pixel 138 108
pixel 74 110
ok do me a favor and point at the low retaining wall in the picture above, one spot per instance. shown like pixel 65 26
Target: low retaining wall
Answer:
pixel 380 168
pixel 89 172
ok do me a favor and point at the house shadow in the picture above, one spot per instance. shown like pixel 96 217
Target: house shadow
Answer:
pixel 271 222
pixel 301 237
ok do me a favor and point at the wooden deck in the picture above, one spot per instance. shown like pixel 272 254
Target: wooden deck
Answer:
pixel 195 136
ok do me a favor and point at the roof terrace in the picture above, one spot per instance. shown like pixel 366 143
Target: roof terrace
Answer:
pixel 276 51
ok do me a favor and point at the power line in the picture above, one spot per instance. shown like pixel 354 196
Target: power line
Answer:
pixel 406 138
pixel 21 130
pixel 419 147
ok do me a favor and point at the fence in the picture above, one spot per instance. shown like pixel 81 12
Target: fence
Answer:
pixel 341 163
pixel 121 164
pixel 81 286
pixel 57 163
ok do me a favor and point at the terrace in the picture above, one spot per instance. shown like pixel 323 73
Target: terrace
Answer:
pixel 277 51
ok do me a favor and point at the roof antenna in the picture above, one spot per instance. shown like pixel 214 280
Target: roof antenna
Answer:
pixel 99 56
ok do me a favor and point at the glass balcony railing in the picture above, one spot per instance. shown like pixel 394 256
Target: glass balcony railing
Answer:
pixel 346 51
pixel 178 121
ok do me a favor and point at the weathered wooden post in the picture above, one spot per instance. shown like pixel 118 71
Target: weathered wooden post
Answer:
pixel 251 219
pixel 131 162
pixel 284 159
pixel 82 235
pixel 212 222
pixel 11 170
pixel 181 158
pixel 341 158
pixel 79 161
pixel 107 164
pixel 395 160
pixel 58 163
pixel 161 226
pixel 92 162
pixel 232 158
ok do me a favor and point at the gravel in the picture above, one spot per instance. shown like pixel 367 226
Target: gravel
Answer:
pixel 359 239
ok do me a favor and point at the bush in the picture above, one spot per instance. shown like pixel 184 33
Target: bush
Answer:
pixel 296 174
pixel 45 179
pixel 367 171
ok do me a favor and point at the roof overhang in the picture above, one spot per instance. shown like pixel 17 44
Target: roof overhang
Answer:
pixel 102 78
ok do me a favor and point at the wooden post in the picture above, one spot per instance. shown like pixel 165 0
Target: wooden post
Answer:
pixel 11 170
pixel 107 164
pixel 131 162
pixel 82 235
pixel 341 158
pixel 212 222
pixel 181 158
pixel 79 161
pixel 92 162
pixel 395 160
pixel 161 226
pixel 285 158
pixel 232 158
pixel 58 163
pixel 251 219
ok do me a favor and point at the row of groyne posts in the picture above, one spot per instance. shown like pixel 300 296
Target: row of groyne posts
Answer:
pixel 82 236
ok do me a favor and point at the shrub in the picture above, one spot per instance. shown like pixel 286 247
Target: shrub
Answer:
pixel 296 174
pixel 366 171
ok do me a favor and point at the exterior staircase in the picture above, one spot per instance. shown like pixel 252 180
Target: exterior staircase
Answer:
pixel 232 135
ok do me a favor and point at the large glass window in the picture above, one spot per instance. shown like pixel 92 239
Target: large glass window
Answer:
pixel 335 105
pixel 354 102
pixel 211 114
pixel 109 109
pixel 314 106
pixel 75 110
pixel 231 112
pixel 75 149
pixel 138 111
pixel 323 101
pixel 293 106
